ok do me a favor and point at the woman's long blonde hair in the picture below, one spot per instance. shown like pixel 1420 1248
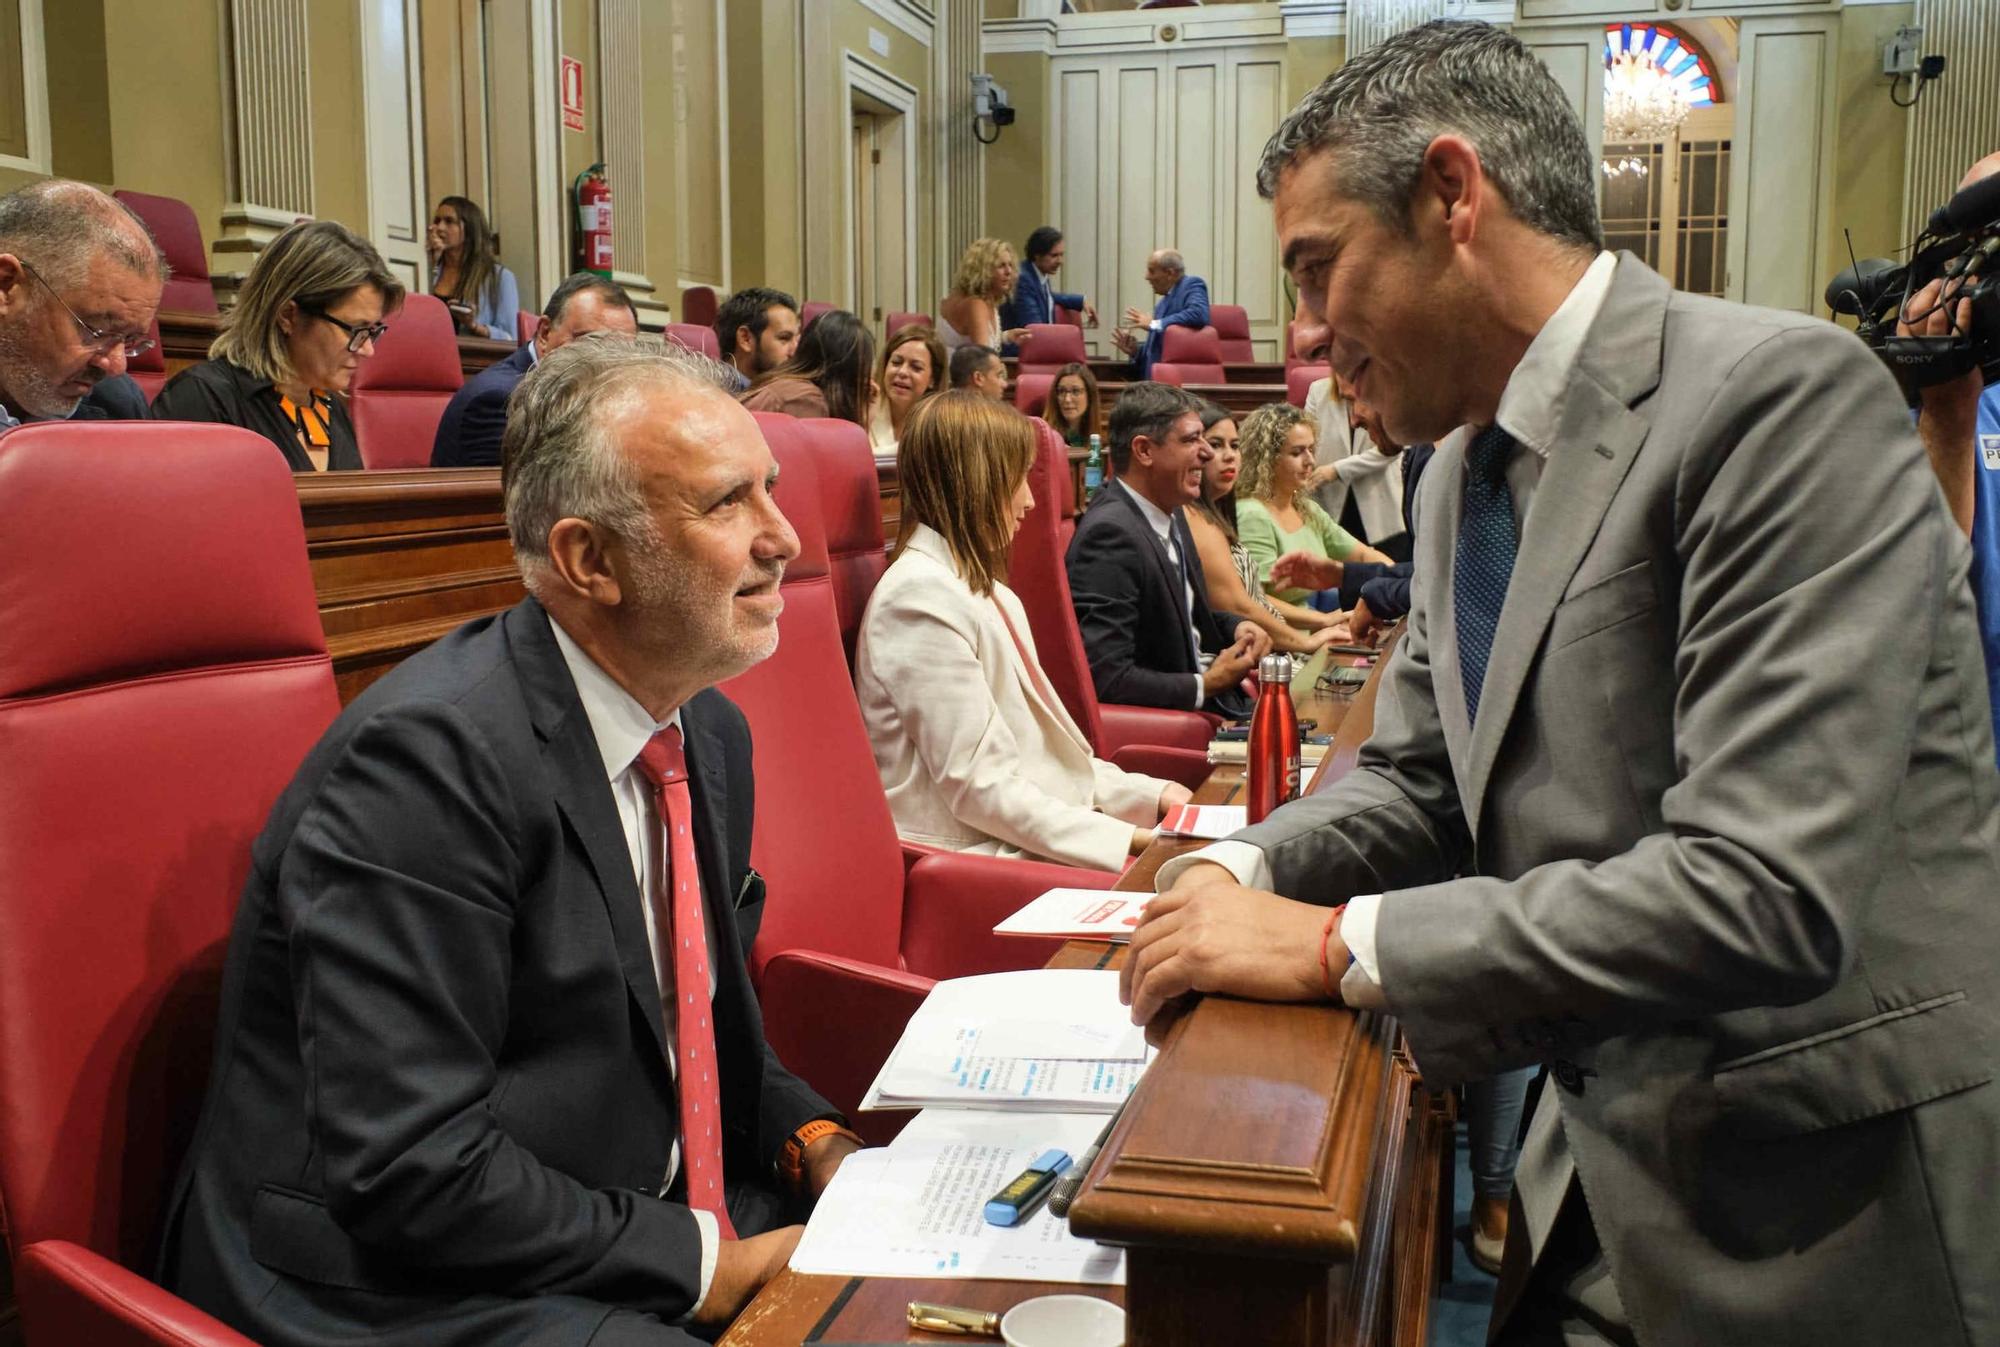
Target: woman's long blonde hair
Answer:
pixel 314 263
pixel 961 458
pixel 974 276
pixel 1262 438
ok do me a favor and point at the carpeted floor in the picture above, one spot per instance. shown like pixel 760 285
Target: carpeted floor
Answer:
pixel 1465 1300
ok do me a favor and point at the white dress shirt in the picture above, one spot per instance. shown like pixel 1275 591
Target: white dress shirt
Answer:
pixel 1162 524
pixel 1530 411
pixel 622 728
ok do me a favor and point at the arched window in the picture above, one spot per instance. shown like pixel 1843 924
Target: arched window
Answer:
pixel 1666 154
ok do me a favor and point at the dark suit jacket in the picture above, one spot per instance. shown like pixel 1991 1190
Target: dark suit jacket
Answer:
pixel 439 1109
pixel 1186 305
pixel 1131 610
pixel 468 435
pixel 216 390
pixel 1033 302
pixel 118 398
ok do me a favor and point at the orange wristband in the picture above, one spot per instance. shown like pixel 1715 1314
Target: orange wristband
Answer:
pixel 1326 933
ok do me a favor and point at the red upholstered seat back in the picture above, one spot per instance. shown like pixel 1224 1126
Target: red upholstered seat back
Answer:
pixel 158 688
pixel 1031 390
pixel 824 840
pixel 526 325
pixel 1051 344
pixel 1189 355
pixel 850 499
pixel 178 233
pixel 696 338
pixel 149 371
pixel 896 322
pixel 1299 380
pixel 698 305
pixel 399 393
pixel 1232 330
pixel 1065 314
pixel 813 308
pixel 1035 572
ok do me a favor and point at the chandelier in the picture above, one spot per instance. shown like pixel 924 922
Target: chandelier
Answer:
pixel 1641 101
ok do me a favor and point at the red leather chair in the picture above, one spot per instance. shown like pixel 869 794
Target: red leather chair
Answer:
pixel 155 698
pixel 1159 742
pixel 178 233
pixel 813 309
pixel 1189 355
pixel 1065 314
pixel 696 338
pixel 855 926
pixel 1232 327
pixel 526 325
pixel 1051 345
pixel 1299 380
pixel 698 306
pixel 399 393
pixel 149 371
pixel 850 508
pixel 1031 390
pixel 896 322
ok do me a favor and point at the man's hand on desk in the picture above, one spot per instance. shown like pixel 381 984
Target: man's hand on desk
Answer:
pixel 1361 622
pixel 823 1158
pixel 742 1266
pixel 1210 934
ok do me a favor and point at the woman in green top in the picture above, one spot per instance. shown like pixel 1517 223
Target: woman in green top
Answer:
pixel 1274 513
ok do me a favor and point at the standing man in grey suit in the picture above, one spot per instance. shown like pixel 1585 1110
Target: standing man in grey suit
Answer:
pixel 1650 798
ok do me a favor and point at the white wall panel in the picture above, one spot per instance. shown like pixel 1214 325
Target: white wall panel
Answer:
pixel 1260 95
pixel 1194 177
pixel 1144 149
pixel 1079 198
pixel 1781 170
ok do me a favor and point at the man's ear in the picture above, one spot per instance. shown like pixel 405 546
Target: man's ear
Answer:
pixel 1453 186
pixel 13 283
pixel 744 344
pixel 580 556
pixel 1142 451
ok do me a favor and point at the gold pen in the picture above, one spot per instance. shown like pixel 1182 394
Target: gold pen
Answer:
pixel 953 1319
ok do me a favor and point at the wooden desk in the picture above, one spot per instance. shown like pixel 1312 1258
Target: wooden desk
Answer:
pixel 1277 1178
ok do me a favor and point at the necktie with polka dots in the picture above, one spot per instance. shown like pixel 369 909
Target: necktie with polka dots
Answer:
pixel 663 763
pixel 1485 558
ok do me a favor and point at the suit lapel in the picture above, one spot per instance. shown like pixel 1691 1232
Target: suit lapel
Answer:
pixel 1164 566
pixel 583 795
pixel 1597 438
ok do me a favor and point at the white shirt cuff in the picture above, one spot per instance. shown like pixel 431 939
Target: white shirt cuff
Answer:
pixel 1240 859
pixel 1199 692
pixel 1153 326
pixel 711 1249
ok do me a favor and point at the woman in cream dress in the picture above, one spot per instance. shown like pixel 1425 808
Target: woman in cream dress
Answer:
pixel 975 749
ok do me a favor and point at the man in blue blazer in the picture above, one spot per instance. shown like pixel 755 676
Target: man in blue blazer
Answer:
pixel 468 434
pixel 1183 302
pixel 1034 301
pixel 489 1069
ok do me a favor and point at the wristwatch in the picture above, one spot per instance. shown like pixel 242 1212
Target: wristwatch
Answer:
pixel 792 1158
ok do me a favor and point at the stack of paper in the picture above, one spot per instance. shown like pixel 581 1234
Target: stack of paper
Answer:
pixel 1078 914
pixel 914 1209
pixel 1045 1040
pixel 1212 821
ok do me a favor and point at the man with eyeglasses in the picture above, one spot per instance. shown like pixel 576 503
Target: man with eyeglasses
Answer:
pixel 80 281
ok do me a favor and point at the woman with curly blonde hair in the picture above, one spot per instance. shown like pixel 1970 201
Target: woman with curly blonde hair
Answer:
pixel 1275 511
pixel 970 314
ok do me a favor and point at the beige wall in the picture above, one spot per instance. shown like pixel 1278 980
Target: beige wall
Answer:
pixel 1017 184
pixel 766 245
pixel 1869 140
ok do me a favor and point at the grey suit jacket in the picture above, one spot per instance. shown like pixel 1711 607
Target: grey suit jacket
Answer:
pixel 1724 844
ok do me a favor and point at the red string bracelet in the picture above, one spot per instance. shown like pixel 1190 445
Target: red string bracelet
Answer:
pixel 1325 933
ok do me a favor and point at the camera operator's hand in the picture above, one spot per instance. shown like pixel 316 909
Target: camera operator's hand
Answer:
pixel 1948 415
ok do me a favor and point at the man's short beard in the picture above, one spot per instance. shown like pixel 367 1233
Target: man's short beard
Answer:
pixel 27 385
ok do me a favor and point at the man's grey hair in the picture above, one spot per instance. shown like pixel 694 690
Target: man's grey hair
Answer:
pixel 560 461
pixel 1380 112
pixel 1148 409
pixel 1171 259
pixel 65 229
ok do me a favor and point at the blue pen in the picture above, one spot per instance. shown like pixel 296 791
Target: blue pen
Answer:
pixel 1014 1203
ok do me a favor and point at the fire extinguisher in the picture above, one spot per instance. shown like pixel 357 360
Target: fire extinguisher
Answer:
pixel 592 194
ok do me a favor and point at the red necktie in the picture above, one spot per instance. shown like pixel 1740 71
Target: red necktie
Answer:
pixel 665 765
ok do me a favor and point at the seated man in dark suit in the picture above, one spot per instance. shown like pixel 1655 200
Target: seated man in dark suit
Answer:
pixel 1183 302
pixel 468 435
pixel 1140 594
pixel 488 1067
pixel 80 282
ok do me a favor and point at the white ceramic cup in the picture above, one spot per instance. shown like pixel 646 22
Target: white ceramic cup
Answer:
pixel 1064 1321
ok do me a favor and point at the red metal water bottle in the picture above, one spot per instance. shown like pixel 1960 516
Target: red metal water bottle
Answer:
pixel 1274 739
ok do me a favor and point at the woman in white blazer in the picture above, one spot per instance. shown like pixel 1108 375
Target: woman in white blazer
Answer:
pixel 975 749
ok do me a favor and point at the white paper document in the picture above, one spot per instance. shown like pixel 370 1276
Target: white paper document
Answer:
pixel 1043 1040
pixel 1210 821
pixel 1079 914
pixel 915 1208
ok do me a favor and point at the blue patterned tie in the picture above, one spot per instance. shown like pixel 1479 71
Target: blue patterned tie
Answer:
pixel 1485 559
